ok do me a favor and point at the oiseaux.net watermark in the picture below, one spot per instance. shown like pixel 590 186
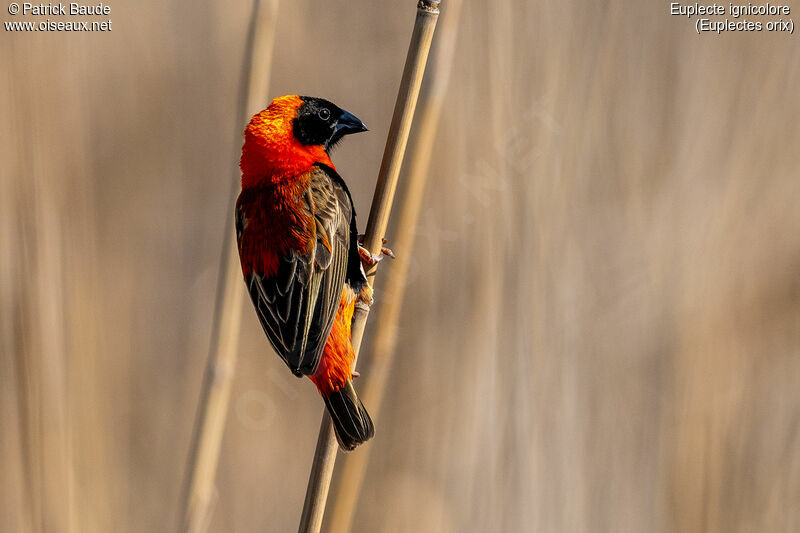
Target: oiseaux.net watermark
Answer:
pixel 58 16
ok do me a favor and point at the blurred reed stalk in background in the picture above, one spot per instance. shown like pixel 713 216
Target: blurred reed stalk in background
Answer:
pixel 34 326
pixel 199 490
pixel 385 187
pixel 42 198
pixel 350 478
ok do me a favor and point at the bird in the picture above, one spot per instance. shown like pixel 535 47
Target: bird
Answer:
pixel 301 257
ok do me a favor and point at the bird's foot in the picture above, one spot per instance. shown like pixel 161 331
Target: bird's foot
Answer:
pixel 365 296
pixel 355 375
pixel 367 258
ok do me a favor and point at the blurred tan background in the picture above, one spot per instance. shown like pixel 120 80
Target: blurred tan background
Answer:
pixel 602 325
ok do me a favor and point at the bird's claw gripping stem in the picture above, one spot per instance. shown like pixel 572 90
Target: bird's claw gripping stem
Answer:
pixel 365 296
pixel 368 259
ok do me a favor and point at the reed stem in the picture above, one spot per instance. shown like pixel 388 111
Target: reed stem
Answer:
pixel 199 494
pixel 351 476
pixel 325 453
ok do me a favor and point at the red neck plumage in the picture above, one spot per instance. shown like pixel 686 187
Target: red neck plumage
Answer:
pixel 272 155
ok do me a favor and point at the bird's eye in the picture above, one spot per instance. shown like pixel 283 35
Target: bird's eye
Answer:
pixel 324 113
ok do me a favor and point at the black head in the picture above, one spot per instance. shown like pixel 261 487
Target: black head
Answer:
pixel 319 122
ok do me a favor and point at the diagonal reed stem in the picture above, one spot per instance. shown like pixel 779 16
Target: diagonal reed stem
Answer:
pixel 351 475
pixel 199 494
pixel 325 454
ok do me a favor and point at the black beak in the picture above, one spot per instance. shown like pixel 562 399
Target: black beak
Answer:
pixel 346 123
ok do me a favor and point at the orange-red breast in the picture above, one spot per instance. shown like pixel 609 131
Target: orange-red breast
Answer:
pixel 297 237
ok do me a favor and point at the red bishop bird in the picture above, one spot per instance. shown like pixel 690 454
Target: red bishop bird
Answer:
pixel 299 249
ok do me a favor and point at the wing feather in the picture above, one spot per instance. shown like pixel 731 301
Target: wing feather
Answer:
pixel 297 304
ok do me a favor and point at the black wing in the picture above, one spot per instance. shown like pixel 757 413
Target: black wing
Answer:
pixel 356 277
pixel 297 304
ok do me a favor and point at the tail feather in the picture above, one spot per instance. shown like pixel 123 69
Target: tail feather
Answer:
pixel 350 420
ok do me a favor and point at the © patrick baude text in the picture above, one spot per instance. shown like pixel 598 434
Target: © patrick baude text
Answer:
pixel 738 17
pixel 49 15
